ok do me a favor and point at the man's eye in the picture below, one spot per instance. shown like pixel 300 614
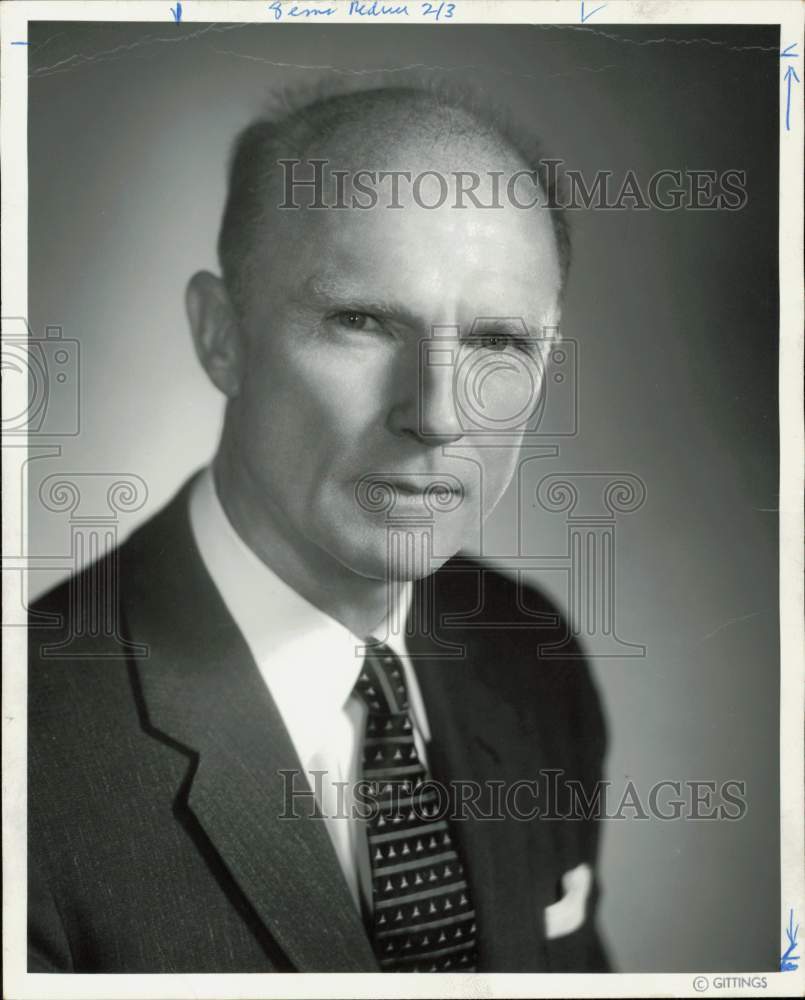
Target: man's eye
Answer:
pixel 500 340
pixel 352 320
pixel 496 341
pixel 493 341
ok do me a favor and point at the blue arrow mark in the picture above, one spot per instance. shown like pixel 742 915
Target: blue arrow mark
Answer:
pixel 20 43
pixel 789 961
pixel 586 17
pixel 787 54
pixel 177 12
pixel 789 73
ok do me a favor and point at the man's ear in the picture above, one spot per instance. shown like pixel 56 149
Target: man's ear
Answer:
pixel 217 334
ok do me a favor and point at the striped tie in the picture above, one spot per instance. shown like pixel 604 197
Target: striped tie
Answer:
pixel 423 919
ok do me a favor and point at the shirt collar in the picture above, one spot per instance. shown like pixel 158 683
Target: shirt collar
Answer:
pixel 309 661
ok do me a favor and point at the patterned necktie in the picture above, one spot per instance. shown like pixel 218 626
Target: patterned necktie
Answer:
pixel 423 918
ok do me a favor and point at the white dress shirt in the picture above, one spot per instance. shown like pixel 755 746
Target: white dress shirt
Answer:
pixel 310 663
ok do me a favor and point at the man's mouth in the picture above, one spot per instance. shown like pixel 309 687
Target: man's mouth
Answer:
pixel 423 487
pixel 438 491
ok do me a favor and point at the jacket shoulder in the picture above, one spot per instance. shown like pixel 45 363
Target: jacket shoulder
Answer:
pixel 80 651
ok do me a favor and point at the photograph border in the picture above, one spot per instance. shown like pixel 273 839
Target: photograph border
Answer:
pixel 18 983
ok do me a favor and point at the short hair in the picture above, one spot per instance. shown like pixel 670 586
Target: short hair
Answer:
pixel 304 116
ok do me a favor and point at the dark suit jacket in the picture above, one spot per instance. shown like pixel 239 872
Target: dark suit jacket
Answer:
pixel 155 843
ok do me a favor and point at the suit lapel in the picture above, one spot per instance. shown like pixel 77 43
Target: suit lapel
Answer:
pixel 202 689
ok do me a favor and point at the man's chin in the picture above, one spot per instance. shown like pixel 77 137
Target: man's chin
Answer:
pixel 402 553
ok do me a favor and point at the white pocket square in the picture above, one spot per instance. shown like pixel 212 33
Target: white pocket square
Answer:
pixel 567 914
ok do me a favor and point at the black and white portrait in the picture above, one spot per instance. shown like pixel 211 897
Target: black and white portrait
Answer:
pixel 399 463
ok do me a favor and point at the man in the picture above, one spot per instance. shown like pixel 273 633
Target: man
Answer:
pixel 299 627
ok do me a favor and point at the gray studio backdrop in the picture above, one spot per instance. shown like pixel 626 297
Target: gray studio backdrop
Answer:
pixel 675 316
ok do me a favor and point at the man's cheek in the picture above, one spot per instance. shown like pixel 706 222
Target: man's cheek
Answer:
pixel 498 474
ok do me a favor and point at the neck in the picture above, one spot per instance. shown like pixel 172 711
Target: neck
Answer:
pixel 360 603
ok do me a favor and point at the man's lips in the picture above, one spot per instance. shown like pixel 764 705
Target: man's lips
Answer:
pixel 420 488
pixel 440 490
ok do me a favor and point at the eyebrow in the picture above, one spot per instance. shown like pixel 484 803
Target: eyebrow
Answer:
pixel 330 291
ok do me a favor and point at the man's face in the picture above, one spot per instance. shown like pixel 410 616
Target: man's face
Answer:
pixel 380 343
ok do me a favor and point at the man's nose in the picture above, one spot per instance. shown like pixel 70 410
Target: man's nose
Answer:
pixel 429 412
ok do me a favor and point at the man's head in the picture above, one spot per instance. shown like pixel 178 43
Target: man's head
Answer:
pixel 359 344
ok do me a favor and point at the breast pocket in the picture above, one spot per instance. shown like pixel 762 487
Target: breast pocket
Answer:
pixel 567 914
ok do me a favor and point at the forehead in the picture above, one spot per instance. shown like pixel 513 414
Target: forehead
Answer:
pixel 425 236
pixel 483 259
